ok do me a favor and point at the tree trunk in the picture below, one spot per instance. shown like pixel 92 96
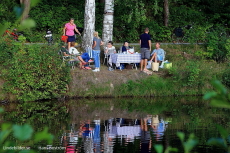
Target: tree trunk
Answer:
pixel 89 24
pixel 166 12
pixel 26 9
pixel 107 34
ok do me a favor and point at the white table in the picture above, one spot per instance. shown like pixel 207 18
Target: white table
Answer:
pixel 124 58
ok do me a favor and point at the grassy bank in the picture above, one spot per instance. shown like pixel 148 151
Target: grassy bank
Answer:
pixel 190 75
pixel 34 72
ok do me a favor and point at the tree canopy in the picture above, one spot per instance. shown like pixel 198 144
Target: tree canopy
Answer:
pixel 130 16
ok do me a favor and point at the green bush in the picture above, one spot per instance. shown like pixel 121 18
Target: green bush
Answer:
pixel 33 72
pixel 226 78
pixel 217 45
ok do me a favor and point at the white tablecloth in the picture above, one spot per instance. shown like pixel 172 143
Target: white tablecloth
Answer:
pixel 124 58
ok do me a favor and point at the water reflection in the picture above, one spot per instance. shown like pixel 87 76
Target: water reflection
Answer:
pixel 120 125
pixel 102 135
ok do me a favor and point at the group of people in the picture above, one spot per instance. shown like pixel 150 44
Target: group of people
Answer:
pixel 157 54
pixel 145 43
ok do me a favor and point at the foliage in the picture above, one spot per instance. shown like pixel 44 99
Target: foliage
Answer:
pixel 219 98
pixel 23 134
pixel 130 17
pixel 217 45
pixel 226 78
pixel 33 72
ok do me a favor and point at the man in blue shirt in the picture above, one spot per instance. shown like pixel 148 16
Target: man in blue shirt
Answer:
pixel 145 42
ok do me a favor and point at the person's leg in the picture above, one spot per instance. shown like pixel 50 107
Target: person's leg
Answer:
pixel 142 58
pixel 145 64
pixel 98 57
pixel 141 64
pixel 154 57
pixel 96 60
pixel 85 57
pixel 146 57
pixel 68 45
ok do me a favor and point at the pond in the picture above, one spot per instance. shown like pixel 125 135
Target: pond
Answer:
pixel 127 125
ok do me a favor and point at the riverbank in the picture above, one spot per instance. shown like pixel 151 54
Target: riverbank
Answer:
pixel 44 77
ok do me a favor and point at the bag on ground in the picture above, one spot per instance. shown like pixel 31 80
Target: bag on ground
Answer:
pixel 155 66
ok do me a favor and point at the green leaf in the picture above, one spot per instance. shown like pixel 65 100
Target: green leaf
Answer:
pixel 217 142
pixel 219 103
pixel 209 95
pixel 34 3
pixel 181 136
pixel 189 145
pixel 223 131
pixel 43 135
pixel 6 126
pixel 4 135
pixel 27 24
pixel 169 149
pixel 159 148
pixel 3 27
pixel 1 110
pixel 218 85
pixel 22 132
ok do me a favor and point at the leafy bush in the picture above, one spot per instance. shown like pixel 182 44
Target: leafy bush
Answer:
pixel 33 72
pixel 226 78
pixel 217 45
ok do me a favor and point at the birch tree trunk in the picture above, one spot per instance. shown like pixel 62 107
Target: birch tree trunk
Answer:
pixel 166 12
pixel 89 24
pixel 107 34
pixel 26 6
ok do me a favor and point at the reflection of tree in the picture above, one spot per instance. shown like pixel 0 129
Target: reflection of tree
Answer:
pixel 39 115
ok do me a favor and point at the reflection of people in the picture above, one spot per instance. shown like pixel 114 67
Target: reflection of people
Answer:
pixel 158 127
pixel 97 42
pixel 145 42
pixel 68 30
pixel 158 53
pixel 146 143
pixel 70 141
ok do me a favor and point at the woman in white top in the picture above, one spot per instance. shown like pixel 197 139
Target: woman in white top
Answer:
pixel 110 49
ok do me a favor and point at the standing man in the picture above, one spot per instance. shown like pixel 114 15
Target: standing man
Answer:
pixel 145 42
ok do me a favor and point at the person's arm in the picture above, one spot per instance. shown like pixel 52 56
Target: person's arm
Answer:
pixel 114 50
pixel 64 29
pixel 77 30
pixel 101 43
pixel 94 44
pixel 150 45
pixel 106 50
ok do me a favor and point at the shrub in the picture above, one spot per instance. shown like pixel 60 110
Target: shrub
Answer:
pixel 226 78
pixel 33 72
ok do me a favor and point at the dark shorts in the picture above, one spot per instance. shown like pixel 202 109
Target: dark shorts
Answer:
pixel 145 53
pixel 71 38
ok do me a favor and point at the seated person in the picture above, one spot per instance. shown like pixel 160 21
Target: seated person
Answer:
pixel 126 48
pixel 110 49
pixel 83 58
pixel 158 53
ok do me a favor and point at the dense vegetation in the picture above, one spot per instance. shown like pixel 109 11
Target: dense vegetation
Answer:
pixel 32 72
pixel 130 17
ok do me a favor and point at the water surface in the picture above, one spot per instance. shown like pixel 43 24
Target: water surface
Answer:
pixel 121 125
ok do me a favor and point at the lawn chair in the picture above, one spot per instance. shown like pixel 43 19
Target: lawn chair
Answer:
pixel 163 61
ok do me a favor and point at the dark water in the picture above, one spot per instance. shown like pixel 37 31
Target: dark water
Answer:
pixel 121 125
